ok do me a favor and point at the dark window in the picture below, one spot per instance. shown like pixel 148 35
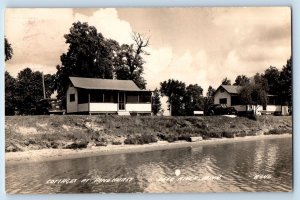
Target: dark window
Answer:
pixel 72 97
pixel 96 96
pixel 222 90
pixel 145 97
pixel 273 100
pixel 109 97
pixel 83 96
pixel 223 101
pixel 132 97
pixel 235 100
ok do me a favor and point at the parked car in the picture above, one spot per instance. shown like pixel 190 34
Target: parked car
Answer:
pixel 221 109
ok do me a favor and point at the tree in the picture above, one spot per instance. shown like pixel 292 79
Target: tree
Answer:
pixel 254 95
pixel 272 76
pixel 8 50
pixel 89 55
pixel 156 103
pixel 193 99
pixel 49 84
pixel 226 81
pixel 175 91
pixel 209 99
pixel 286 82
pixel 29 92
pixel 129 62
pixel 241 80
pixel 10 89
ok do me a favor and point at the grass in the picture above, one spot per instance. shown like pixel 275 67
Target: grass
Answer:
pixel 38 132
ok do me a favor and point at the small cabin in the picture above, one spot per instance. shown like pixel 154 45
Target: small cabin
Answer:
pixel 228 94
pixel 106 96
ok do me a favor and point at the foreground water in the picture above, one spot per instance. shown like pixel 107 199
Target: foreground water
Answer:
pixel 262 165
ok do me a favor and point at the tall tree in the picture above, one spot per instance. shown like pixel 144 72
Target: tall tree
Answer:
pixel 286 82
pixel 156 103
pixel 241 80
pixel 8 50
pixel 193 99
pixel 10 94
pixel 89 55
pixel 29 92
pixel 175 91
pixel 209 99
pixel 272 76
pixel 129 62
pixel 226 81
pixel 254 95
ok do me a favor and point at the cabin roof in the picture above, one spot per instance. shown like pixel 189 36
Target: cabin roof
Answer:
pixel 231 89
pixel 104 84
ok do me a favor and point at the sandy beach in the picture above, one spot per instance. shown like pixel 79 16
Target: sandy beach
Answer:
pixel 43 155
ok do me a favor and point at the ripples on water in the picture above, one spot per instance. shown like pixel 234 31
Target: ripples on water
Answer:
pixel 236 163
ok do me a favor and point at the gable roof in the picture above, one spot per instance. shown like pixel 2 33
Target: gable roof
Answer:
pixel 231 89
pixel 104 84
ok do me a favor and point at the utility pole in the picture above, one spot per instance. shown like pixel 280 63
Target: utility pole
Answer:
pixel 44 91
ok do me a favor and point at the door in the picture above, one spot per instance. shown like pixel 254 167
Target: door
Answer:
pixel 121 101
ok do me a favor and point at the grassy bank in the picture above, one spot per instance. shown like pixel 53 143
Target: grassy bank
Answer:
pixel 71 132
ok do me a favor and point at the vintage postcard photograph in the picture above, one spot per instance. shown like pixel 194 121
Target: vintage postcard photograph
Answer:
pixel 148 100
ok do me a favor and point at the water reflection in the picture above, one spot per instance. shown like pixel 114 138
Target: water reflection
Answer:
pixel 236 163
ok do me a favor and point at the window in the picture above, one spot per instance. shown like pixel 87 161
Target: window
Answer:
pixel 223 101
pixel 132 97
pixel 109 97
pixel 222 90
pixel 72 97
pixel 96 96
pixel 235 100
pixel 145 97
pixel 83 96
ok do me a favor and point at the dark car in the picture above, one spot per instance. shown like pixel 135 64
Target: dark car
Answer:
pixel 221 109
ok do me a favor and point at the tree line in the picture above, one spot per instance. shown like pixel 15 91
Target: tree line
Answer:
pixel 183 100
pixel 92 55
pixel 271 82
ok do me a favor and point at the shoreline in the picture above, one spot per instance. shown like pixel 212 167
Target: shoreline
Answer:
pixel 44 155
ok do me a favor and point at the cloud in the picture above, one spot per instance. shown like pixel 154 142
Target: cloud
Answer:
pixel 109 24
pixel 37 35
pixel 226 42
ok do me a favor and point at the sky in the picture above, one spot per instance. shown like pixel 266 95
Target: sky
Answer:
pixel 194 45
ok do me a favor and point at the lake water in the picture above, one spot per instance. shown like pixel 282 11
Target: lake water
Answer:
pixel 261 165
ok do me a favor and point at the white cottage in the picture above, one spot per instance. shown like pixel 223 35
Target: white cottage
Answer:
pixel 96 96
pixel 228 94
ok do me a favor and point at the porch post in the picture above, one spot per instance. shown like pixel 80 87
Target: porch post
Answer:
pixel 89 100
pixel 118 100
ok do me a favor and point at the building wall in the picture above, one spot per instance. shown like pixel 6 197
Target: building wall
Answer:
pixel 103 107
pixel 72 106
pixel 138 107
pixel 220 95
pixel 83 107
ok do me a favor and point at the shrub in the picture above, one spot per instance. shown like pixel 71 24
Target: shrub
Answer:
pixel 171 138
pixel 215 134
pixel 116 142
pixel 276 132
pixel 228 134
pixel 140 139
pixel 185 137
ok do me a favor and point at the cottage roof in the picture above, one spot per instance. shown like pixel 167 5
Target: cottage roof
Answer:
pixel 231 89
pixel 104 84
